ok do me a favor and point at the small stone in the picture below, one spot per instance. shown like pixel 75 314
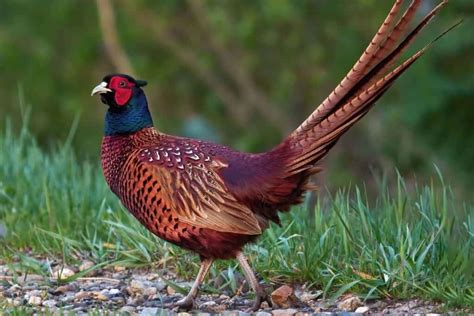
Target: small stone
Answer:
pixel 50 304
pixel 60 290
pixel 159 284
pixel 284 312
pixel 81 295
pixel 15 302
pixel 306 297
pixel 62 273
pixel 284 297
pixel 362 309
pixel 170 290
pixel 33 293
pixel 85 265
pixel 68 298
pixel 137 286
pixel 262 314
pixel 119 268
pixel 152 276
pixel 14 288
pixel 30 278
pixel 349 304
pixel 113 292
pixel 127 309
pixel 147 311
pixel 118 300
pixel 150 291
pixel 35 300
pixel 207 304
pixel 99 296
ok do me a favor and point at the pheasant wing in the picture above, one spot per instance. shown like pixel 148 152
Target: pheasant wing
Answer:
pixel 192 187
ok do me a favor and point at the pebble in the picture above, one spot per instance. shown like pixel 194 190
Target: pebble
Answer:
pixel 362 309
pixel 150 291
pixel 14 302
pixel 127 309
pixel 62 273
pixel 262 314
pixel 119 268
pixel 113 292
pixel 137 286
pixel 159 284
pixel 99 296
pixel 35 300
pixel 283 296
pixel 170 290
pixel 81 295
pixel 149 311
pixel 50 304
pixel 306 297
pixel 30 278
pixel 118 300
pixel 284 312
pixel 85 265
pixel 349 304
pixel 207 304
pixel 61 289
pixel 33 293
pixel 68 298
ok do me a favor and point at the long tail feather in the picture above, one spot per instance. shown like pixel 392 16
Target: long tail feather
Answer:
pixel 313 139
pixel 362 66
pixel 379 54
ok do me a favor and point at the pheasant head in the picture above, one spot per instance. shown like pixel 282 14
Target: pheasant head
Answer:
pixel 128 107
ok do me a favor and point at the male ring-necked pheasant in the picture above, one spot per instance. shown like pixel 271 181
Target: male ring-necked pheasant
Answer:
pixel 212 199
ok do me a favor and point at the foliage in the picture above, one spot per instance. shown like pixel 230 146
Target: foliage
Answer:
pixel 403 245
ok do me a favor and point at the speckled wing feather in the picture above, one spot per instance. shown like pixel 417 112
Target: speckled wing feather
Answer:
pixel 192 187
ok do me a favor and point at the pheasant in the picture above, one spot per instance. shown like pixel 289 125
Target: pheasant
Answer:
pixel 211 199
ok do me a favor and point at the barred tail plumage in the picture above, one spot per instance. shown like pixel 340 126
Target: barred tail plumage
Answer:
pixel 365 83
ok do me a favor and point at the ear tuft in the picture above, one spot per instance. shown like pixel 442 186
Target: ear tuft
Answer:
pixel 141 83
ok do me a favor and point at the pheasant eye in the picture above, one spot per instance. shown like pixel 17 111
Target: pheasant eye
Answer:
pixel 122 84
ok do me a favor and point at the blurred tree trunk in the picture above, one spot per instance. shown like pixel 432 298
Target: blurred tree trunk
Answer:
pixel 112 43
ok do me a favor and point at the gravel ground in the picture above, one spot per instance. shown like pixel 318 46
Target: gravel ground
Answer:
pixel 141 292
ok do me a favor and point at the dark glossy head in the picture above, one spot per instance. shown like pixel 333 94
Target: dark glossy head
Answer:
pixel 128 108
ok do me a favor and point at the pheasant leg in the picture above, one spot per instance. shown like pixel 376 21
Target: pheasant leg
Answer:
pixel 187 303
pixel 260 295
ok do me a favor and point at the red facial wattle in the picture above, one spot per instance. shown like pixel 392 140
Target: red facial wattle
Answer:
pixel 122 88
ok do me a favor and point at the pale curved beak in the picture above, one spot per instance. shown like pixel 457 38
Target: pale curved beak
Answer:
pixel 101 88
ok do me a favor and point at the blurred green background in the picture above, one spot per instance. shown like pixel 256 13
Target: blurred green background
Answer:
pixel 243 73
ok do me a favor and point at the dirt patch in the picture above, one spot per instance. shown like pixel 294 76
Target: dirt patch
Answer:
pixel 146 293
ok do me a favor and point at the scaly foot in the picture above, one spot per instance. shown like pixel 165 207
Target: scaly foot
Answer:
pixel 184 304
pixel 260 297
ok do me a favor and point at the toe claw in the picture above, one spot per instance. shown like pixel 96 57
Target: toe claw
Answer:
pixel 185 304
pixel 259 299
pixel 268 300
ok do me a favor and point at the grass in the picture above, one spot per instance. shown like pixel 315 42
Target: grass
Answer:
pixel 404 245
